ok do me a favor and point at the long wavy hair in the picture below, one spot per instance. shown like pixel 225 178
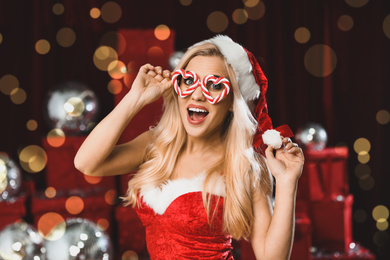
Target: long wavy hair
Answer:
pixel 243 169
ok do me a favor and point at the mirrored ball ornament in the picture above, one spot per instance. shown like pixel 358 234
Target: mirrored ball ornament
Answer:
pixel 83 239
pixel 10 178
pixel 21 241
pixel 71 107
pixel 312 136
pixel 175 58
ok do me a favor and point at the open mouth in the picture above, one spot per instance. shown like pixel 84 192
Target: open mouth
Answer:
pixel 197 114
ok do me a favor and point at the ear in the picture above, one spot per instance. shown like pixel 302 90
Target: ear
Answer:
pixel 231 108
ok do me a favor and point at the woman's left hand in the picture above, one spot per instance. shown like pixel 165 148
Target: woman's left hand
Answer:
pixel 287 162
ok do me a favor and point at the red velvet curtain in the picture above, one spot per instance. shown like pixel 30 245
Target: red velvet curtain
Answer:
pixel 345 102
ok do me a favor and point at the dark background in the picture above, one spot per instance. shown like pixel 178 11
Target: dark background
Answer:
pixel 345 102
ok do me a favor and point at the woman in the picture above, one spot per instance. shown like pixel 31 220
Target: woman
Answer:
pixel 200 181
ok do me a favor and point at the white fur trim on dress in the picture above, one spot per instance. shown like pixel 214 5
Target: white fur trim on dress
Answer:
pixel 272 137
pixel 237 57
pixel 161 197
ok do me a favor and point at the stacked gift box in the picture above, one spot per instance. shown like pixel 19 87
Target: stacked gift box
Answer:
pixel 323 197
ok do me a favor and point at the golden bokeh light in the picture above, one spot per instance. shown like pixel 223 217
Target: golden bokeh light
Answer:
pixel 240 16
pixel 363 157
pixel 8 83
pixel 111 12
pixel 380 212
pixel 302 35
pixel 115 86
pixel 162 32
pixel 1 38
pixel 155 52
pixel 50 192
pixel 114 40
pixel 117 69
pixel 110 197
pixel 386 26
pixel 383 117
pixel 74 205
pixel 92 179
pixel 185 2
pixel 56 137
pixel 95 13
pixel 66 37
pixel 362 170
pixel 18 96
pixel 356 3
pixel 382 224
pixel 32 125
pixel 74 106
pixel 217 21
pixel 362 145
pixel 103 224
pixel 130 255
pixel 58 9
pixel 320 60
pixel 250 3
pixel 33 158
pixel 51 226
pixel 103 56
pixel 366 183
pixel 360 216
pixel 256 9
pixel 345 23
pixel 42 46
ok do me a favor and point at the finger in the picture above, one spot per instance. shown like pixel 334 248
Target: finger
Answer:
pixel 269 152
pixel 158 69
pixel 147 67
pixel 166 74
pixel 159 77
pixel 152 73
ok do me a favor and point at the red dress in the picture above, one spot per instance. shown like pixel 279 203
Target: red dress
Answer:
pixel 176 223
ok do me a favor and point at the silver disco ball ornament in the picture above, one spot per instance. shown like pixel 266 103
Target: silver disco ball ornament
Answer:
pixel 175 58
pixel 21 241
pixel 82 239
pixel 10 178
pixel 71 107
pixel 312 136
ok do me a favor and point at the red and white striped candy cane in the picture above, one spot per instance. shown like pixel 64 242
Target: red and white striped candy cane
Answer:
pixel 185 75
pixel 215 81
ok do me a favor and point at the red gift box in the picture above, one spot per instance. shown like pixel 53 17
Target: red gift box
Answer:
pixel 96 206
pixel 60 171
pixel 131 232
pixel 325 174
pixel 332 224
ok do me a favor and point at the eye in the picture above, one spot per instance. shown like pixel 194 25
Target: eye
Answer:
pixel 189 81
pixel 216 86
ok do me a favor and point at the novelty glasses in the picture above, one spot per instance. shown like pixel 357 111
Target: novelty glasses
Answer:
pixel 213 88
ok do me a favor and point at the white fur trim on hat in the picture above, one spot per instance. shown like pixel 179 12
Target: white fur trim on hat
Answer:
pixel 272 137
pixel 237 57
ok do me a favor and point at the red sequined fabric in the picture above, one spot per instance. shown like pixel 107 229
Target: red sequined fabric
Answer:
pixel 183 231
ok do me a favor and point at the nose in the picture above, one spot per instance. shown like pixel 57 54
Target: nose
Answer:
pixel 198 94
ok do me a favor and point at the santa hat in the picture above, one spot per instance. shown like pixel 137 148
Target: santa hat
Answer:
pixel 253 85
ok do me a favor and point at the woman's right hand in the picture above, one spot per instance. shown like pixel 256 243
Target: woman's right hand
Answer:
pixel 151 82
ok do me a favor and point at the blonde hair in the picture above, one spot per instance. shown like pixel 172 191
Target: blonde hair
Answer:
pixel 243 169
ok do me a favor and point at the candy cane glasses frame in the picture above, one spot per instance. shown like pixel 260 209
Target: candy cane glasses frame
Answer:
pixel 205 83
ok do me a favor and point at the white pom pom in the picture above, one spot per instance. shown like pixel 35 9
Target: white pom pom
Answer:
pixel 272 137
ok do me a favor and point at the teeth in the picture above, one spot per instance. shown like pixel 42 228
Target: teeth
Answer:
pixel 193 109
